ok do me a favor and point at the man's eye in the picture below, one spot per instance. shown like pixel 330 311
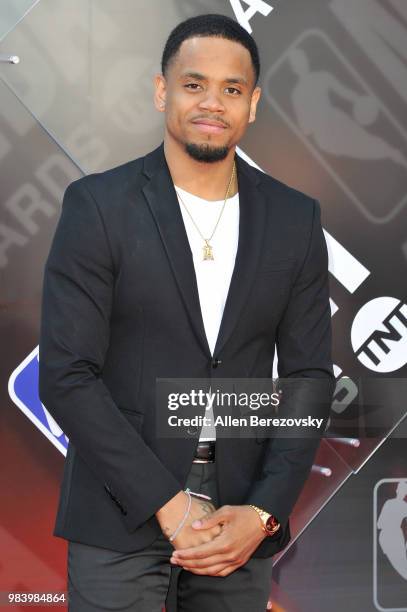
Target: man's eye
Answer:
pixel 232 90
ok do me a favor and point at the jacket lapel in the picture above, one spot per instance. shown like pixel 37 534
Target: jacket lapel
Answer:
pixel 252 223
pixel 163 202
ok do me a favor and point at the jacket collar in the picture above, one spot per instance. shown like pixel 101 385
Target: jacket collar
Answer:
pixel 163 202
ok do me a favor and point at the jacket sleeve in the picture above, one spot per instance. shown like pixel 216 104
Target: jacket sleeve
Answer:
pixel 306 378
pixel 76 307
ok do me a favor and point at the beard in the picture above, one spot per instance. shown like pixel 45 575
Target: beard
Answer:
pixel 206 152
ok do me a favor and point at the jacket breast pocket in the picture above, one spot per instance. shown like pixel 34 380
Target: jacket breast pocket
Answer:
pixel 271 264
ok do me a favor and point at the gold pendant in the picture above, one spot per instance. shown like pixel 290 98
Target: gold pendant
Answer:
pixel 207 251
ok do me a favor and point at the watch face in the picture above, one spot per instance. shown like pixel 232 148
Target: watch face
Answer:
pixel 271 524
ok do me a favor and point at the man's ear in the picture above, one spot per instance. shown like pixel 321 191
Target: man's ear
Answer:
pixel 160 92
pixel 253 103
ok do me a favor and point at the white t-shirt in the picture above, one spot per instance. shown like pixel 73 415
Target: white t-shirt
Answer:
pixel 213 276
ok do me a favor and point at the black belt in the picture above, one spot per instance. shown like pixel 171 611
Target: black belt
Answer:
pixel 205 452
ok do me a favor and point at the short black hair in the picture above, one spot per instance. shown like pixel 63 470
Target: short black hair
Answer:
pixel 211 24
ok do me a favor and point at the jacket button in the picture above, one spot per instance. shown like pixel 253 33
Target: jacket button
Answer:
pixel 216 362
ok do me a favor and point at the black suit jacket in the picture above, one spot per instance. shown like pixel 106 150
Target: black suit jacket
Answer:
pixel 121 308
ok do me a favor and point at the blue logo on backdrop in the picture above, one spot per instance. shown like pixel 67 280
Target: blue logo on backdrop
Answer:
pixel 23 390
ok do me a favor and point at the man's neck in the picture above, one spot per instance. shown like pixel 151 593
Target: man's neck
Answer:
pixel 205 180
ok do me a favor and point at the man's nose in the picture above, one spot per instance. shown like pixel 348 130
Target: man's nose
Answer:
pixel 212 101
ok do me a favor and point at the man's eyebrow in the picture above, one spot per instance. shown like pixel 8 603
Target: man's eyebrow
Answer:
pixel 201 77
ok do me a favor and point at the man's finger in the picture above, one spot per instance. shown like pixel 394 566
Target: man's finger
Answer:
pixel 215 546
pixel 207 562
pixel 211 520
pixel 221 569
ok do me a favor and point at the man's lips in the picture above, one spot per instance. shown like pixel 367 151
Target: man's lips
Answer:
pixel 208 126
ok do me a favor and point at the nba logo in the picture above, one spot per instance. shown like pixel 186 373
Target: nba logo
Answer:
pixel 23 390
pixel 390 545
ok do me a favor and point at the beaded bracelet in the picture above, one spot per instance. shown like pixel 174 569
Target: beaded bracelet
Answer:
pixel 189 493
pixel 200 495
pixel 180 526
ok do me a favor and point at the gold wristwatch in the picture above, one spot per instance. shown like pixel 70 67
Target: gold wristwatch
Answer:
pixel 269 523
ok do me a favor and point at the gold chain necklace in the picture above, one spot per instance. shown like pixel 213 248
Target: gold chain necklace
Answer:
pixel 207 248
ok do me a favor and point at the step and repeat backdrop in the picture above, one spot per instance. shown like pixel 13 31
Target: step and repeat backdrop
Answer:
pixel 76 90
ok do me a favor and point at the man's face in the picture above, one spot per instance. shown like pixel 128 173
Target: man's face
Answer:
pixel 208 96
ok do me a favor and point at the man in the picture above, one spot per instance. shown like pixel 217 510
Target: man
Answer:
pixel 185 263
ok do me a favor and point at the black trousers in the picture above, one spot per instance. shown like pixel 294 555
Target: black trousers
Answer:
pixel 145 581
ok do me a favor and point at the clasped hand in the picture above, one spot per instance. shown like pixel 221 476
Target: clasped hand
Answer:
pixel 231 535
